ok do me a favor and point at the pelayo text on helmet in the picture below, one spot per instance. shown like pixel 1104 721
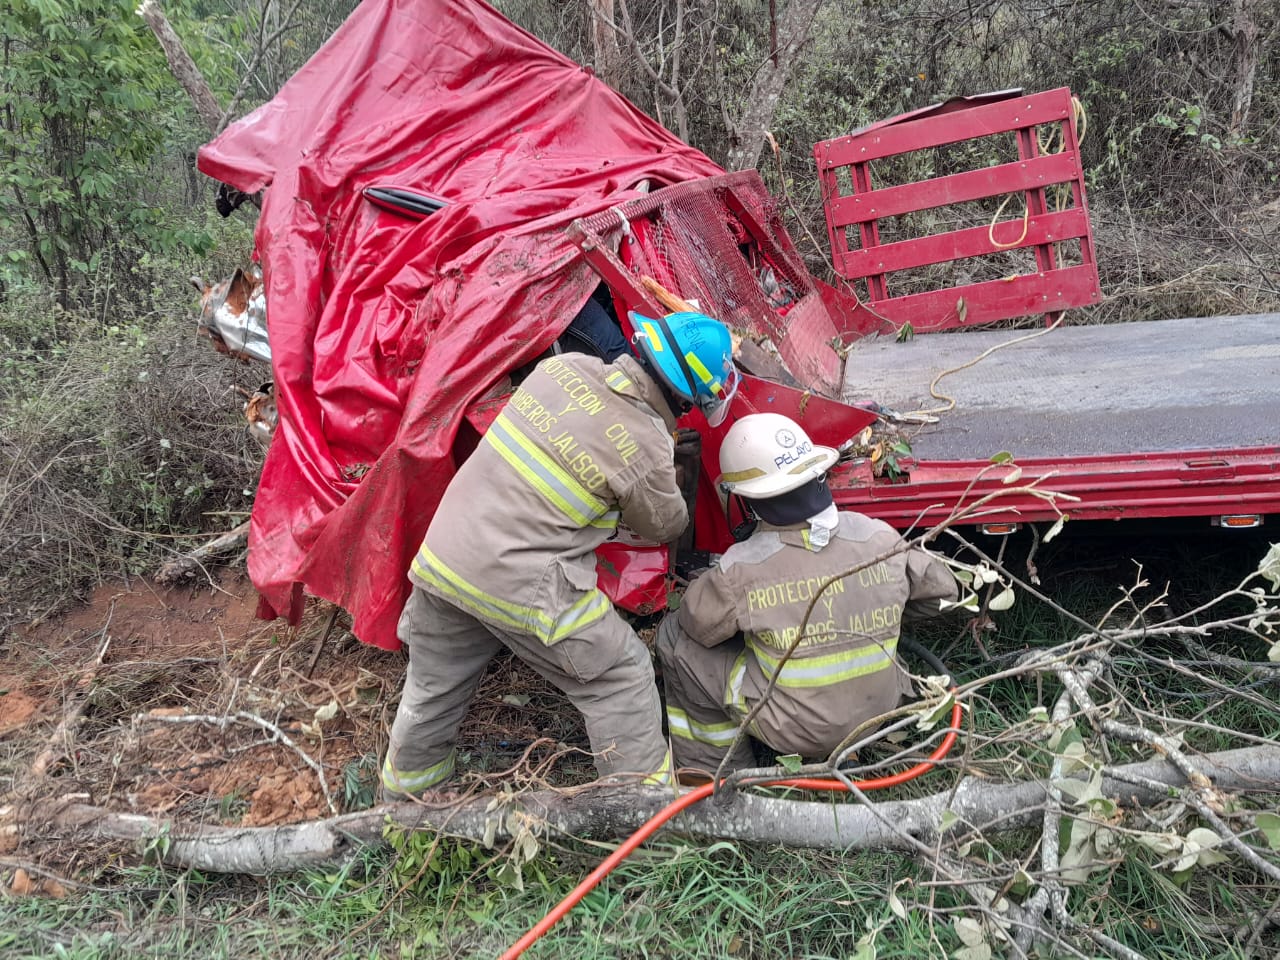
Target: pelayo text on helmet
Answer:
pixel 794 455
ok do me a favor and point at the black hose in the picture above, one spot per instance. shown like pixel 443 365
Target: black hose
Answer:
pixel 924 653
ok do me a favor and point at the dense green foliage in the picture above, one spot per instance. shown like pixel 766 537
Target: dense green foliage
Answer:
pixel 1179 180
pixel 99 139
pixel 89 114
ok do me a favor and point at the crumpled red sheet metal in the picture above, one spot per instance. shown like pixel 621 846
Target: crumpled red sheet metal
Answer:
pixel 384 330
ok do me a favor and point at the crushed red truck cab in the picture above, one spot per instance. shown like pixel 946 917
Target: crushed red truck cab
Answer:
pixel 398 327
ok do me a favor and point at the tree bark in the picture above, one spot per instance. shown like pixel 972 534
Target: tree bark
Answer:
pixel 182 66
pixel 604 42
pixel 189 564
pixel 1244 62
pixel 747 136
pixel 609 812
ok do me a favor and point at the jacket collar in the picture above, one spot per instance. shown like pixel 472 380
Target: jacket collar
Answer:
pixel 643 388
pixel 812 534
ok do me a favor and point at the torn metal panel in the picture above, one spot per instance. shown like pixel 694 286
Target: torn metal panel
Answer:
pixel 233 314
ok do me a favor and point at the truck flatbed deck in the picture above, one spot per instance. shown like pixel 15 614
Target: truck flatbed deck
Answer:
pixel 1154 387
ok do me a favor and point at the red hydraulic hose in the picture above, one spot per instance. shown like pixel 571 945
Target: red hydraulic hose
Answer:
pixel 686 800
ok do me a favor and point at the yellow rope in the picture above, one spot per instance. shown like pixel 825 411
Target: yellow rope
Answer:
pixel 1081 121
pixel 951 401
pixel 1026 220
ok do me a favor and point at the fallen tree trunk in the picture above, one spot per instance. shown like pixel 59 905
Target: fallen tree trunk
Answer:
pixel 189 564
pixel 609 812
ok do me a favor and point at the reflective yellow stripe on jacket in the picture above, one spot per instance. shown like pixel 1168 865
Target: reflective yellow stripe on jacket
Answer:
pixel 733 697
pixel 546 476
pixel 830 669
pixel 590 608
pixel 618 381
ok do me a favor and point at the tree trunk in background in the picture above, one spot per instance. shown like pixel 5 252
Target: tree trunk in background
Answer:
pixel 604 42
pixel 747 135
pixel 182 66
pixel 1244 62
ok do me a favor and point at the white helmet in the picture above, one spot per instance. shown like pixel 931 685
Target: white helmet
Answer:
pixel 766 455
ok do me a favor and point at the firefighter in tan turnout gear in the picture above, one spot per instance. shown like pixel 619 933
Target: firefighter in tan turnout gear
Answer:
pixel 736 621
pixel 508 558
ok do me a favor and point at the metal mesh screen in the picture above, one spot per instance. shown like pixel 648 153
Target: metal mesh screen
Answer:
pixel 721 243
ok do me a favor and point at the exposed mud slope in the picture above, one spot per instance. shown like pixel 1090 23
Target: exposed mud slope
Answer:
pixel 171 655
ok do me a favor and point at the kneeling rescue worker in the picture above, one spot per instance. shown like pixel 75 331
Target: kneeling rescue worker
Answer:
pixel 737 620
pixel 508 559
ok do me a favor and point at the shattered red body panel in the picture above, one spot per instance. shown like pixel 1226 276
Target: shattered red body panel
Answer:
pixel 385 330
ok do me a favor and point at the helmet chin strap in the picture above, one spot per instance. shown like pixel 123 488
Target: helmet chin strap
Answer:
pixel 750 521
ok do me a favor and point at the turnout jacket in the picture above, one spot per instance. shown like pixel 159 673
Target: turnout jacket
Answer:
pixel 580 445
pixel 844 670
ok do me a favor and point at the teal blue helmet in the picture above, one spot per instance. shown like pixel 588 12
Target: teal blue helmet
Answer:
pixel 693 356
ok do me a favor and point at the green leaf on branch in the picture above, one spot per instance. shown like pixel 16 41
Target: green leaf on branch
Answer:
pixel 969 603
pixel 931 717
pixel 1205 841
pixel 1002 600
pixel 1269 824
pixel 1021 884
pixel 974 939
pixel 895 904
pixel 790 763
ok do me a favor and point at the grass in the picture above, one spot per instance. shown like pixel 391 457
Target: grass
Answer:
pixel 733 900
pixel 726 900
pixel 722 901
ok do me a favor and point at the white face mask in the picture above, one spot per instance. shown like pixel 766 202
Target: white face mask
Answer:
pixel 821 526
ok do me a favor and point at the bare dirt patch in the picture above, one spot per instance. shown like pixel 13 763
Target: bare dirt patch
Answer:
pixel 16 707
pixel 188 711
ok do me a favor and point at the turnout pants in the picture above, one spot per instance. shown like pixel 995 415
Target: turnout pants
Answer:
pixel 702 715
pixel 710 690
pixel 604 670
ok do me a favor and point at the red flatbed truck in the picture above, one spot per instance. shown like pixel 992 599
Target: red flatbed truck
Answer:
pixel 395 339
pixel 1167 418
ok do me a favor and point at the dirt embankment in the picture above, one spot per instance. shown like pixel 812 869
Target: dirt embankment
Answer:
pixel 179 702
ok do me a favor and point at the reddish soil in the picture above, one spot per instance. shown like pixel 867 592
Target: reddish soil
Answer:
pixel 172 654
pixel 16 706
